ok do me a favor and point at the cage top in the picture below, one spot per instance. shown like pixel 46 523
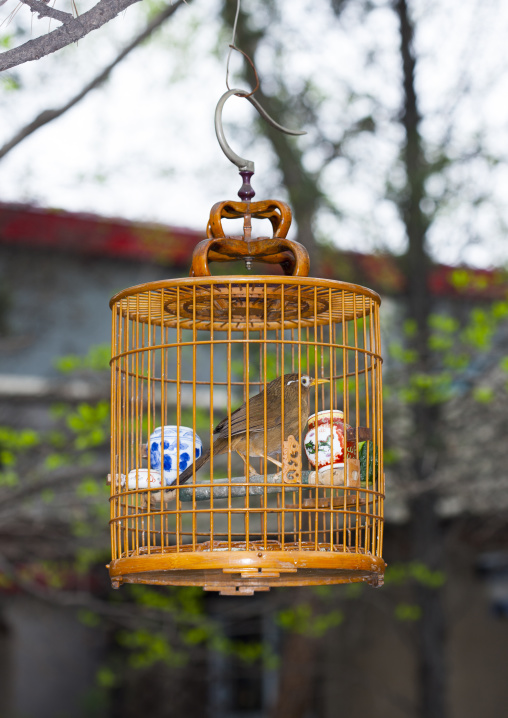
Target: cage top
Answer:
pixel 237 302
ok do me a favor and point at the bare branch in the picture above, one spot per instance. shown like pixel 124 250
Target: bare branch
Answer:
pixel 70 31
pixel 48 115
pixel 63 476
pixel 43 10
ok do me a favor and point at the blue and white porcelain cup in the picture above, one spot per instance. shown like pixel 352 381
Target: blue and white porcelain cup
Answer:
pixel 191 449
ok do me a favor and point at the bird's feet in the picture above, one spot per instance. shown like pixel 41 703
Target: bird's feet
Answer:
pixel 252 470
pixel 274 461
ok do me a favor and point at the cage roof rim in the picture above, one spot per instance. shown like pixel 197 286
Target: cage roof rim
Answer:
pixel 242 279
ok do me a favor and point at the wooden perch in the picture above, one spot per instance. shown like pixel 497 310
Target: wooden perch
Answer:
pixel 364 433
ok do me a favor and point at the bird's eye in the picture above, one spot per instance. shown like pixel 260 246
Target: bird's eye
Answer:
pixel 305 380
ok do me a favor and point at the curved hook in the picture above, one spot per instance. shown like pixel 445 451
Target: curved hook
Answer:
pixel 243 164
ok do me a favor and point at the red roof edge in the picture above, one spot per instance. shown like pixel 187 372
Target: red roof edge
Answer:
pixel 90 234
pixel 93 235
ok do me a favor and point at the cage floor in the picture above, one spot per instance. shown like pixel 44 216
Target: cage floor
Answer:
pixel 241 568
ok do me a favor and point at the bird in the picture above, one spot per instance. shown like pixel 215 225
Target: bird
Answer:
pixel 292 425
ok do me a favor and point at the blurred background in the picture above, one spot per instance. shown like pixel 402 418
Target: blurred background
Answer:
pixel 400 184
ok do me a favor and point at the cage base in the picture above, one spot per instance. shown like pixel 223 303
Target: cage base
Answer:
pixel 244 572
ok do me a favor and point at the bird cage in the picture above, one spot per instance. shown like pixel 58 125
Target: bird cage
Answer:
pixel 246 422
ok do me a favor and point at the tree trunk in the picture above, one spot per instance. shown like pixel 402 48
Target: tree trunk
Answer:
pixel 426 532
pixel 299 667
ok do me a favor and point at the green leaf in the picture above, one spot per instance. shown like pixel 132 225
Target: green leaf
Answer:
pixel 500 310
pixel 89 618
pixel 455 361
pixel 87 557
pixel 16 440
pixel 98 357
pixel 87 488
pixel 149 648
pixel 96 360
pixel 7 458
pixel 106 677
pixel 390 456
pixel 400 353
pixel 55 461
pixel 196 635
pixel 444 324
pixel 426 576
pixel 440 343
pixel 408 612
pixel 9 479
pixel 479 331
pixel 460 278
pixel 396 573
pixel 483 394
pixel 67 364
pixel 48 495
pixel 366 448
pixel 301 619
pixel 410 327
pixel 353 590
pixel 10 84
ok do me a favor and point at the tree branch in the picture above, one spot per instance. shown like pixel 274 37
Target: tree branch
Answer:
pixel 48 115
pixel 44 10
pixel 70 31
pixel 63 476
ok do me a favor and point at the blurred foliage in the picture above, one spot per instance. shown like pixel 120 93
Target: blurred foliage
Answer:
pixel 202 419
pixel 97 359
pixel 407 612
pixel 456 347
pixel 401 573
pixel 88 423
pixel 304 619
pixel 10 83
pixel 14 444
pixel 147 648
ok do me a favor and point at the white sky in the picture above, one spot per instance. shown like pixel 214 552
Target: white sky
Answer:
pixel 143 146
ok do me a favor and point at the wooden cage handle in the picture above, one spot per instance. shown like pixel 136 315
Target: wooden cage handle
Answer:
pixel 292 256
pixel 278 213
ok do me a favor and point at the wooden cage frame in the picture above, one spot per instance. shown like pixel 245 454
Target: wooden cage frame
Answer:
pixel 186 353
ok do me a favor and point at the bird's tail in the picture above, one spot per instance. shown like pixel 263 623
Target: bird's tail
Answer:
pixel 187 474
pixel 220 445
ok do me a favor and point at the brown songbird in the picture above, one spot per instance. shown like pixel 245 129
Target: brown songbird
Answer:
pixel 292 425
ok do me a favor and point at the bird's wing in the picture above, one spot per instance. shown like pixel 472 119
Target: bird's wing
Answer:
pixel 256 418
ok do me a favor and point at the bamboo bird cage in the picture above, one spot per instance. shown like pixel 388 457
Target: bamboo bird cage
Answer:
pixel 186 353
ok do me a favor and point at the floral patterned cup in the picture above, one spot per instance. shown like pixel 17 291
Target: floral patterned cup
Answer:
pixel 190 449
pixel 319 452
pixel 142 479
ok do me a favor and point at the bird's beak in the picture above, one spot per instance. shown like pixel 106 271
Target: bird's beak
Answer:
pixel 315 382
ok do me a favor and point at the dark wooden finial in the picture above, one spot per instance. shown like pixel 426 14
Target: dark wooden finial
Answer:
pixel 246 191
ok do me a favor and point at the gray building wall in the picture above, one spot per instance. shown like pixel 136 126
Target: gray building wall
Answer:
pixel 51 661
pixel 53 304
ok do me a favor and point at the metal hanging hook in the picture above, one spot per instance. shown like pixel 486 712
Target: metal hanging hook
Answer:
pixel 243 164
